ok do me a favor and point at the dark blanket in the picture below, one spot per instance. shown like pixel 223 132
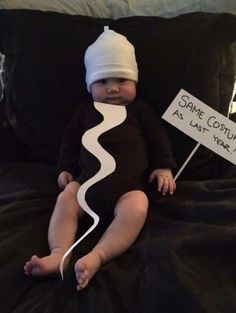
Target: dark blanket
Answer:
pixel 183 261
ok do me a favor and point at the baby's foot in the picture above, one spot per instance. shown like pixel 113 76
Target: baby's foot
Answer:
pixel 43 266
pixel 85 268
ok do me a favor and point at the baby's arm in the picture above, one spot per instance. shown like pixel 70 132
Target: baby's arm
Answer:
pixel 165 181
pixel 63 179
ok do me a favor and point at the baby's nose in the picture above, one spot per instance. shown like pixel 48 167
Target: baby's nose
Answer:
pixel 113 86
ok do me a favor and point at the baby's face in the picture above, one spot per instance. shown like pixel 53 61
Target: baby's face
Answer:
pixel 118 91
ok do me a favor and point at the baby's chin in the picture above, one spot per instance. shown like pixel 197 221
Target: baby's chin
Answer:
pixel 115 101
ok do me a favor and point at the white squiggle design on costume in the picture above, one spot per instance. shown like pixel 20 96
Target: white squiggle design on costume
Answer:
pixel 113 115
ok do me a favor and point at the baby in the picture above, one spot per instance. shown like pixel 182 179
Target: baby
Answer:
pixel 142 152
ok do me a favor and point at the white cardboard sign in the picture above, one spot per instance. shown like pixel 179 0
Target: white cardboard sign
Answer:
pixel 202 123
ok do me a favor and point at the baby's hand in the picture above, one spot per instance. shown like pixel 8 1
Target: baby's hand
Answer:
pixel 64 179
pixel 165 181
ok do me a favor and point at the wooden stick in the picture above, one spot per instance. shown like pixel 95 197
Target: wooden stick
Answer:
pixel 187 160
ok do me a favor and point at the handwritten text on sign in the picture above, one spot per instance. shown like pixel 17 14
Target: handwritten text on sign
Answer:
pixel 203 124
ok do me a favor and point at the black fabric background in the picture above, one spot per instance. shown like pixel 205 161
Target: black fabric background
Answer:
pixel 44 74
pixel 192 52
pixel 183 261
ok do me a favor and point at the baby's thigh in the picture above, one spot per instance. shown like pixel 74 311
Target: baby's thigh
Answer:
pixel 132 204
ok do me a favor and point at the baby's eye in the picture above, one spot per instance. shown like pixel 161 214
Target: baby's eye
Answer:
pixel 101 81
pixel 122 80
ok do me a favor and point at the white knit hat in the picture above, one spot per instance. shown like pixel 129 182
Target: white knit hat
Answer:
pixel 110 56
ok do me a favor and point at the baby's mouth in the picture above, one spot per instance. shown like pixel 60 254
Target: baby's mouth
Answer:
pixel 113 99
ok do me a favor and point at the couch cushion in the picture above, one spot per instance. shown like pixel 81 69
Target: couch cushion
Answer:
pixel 118 9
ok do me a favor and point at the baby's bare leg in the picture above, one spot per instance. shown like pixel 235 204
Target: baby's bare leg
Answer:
pixel 129 217
pixel 61 233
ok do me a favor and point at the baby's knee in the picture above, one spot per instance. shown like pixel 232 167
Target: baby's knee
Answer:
pixel 68 195
pixel 63 198
pixel 134 203
pixel 140 202
pixel 141 209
